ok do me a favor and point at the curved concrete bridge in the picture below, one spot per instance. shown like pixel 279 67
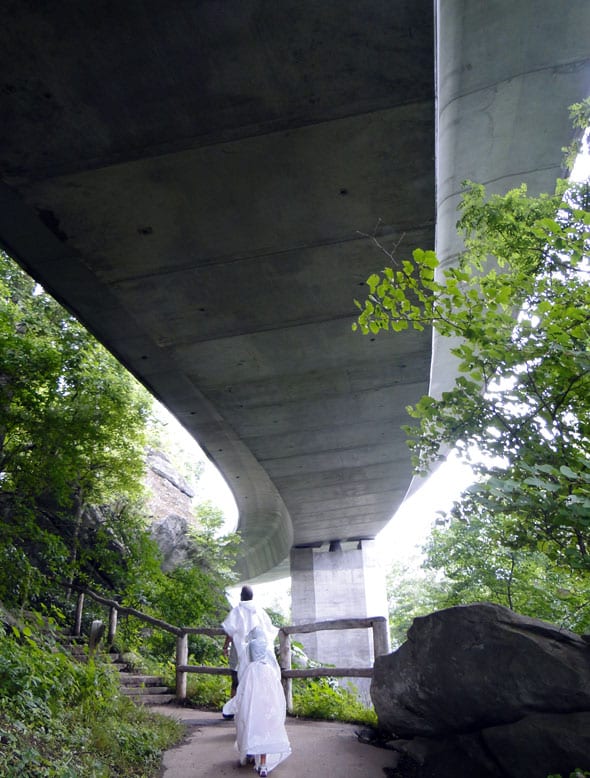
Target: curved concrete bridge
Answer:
pixel 200 182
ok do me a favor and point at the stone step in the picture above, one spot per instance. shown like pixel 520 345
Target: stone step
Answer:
pixel 142 691
pixel 145 689
pixel 113 658
pixel 72 640
pixel 140 688
pixel 74 643
pixel 152 699
pixel 135 679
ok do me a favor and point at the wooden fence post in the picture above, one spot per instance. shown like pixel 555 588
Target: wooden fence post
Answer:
pixel 181 660
pixel 380 636
pixel 285 662
pixel 113 617
pixel 78 616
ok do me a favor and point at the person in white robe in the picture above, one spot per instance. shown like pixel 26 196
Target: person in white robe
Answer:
pixel 239 622
pixel 260 706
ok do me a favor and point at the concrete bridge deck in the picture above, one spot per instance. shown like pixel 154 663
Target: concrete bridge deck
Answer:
pixel 200 183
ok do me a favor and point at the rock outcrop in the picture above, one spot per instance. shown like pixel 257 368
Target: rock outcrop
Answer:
pixel 480 691
pixel 171 533
pixel 171 508
pixel 169 492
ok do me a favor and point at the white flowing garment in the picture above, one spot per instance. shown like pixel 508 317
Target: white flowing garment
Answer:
pixel 241 620
pixel 260 705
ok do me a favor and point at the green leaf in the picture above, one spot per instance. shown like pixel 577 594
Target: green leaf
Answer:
pixel 373 282
pixel 548 486
pixel 568 472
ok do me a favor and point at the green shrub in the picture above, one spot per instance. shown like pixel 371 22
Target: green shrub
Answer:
pixel 322 698
pixel 132 740
pixel 208 691
pixel 65 719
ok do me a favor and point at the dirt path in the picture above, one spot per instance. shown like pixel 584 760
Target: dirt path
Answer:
pixel 320 749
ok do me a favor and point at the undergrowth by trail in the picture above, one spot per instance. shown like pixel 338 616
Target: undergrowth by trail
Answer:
pixel 64 719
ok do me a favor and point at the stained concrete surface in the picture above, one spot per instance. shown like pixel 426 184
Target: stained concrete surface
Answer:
pixel 200 183
pixel 320 748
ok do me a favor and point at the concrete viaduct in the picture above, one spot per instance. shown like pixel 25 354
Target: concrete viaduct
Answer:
pixel 200 182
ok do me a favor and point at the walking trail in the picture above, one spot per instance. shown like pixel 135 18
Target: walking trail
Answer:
pixel 319 749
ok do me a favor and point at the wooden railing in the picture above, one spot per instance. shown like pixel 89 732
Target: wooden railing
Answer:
pixel 377 624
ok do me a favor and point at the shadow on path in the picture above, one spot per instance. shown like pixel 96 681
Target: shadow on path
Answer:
pixel 320 748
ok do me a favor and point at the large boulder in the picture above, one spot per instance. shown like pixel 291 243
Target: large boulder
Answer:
pixel 542 744
pixel 480 684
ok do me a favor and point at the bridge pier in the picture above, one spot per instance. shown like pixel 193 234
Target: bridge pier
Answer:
pixel 345 580
pixel 506 74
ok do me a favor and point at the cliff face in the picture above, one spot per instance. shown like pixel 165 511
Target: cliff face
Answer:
pixel 171 510
pixel 169 492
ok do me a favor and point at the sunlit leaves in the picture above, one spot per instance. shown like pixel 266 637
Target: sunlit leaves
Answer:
pixel 64 400
pixel 492 556
pixel 72 424
pixel 517 310
pixel 399 297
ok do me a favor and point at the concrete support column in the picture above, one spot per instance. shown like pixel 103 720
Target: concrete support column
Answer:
pixel 506 74
pixel 335 584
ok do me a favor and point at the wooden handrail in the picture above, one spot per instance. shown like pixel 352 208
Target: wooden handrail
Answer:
pixel 209 631
pixel 329 672
pixel 378 624
pixel 128 611
pixel 205 669
pixel 317 626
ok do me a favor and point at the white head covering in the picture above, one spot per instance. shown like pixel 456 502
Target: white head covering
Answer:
pixel 257 645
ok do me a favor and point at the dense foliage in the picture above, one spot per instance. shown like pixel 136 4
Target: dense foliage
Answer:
pixel 72 435
pixel 482 560
pixel 516 310
pixel 64 718
pixel 411 592
pixel 189 595
pixel 74 425
pixel 323 698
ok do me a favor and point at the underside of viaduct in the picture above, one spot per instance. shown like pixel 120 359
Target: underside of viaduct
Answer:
pixel 202 184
